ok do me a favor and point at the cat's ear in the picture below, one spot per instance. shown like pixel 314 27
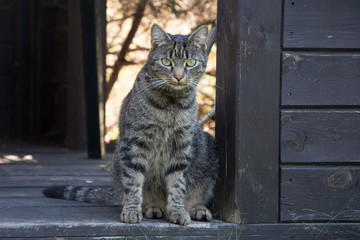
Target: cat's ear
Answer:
pixel 158 36
pixel 199 37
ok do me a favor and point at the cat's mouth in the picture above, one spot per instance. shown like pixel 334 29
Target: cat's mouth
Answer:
pixel 178 84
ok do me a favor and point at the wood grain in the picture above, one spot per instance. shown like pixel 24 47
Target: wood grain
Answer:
pixel 309 136
pixel 320 193
pixel 6 23
pixel 94 70
pixel 52 169
pixel 5 59
pixel 47 181
pixel 225 202
pixel 247 117
pixel 41 202
pixel 315 79
pixel 321 24
pixel 26 214
pixel 21 192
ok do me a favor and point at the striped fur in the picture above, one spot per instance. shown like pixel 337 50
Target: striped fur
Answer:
pixel 164 166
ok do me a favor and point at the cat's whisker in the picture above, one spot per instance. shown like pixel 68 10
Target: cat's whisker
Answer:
pixel 152 85
pixel 154 79
pixel 222 89
pixel 159 86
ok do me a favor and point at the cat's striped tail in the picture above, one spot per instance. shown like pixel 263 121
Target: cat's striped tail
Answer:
pixel 103 195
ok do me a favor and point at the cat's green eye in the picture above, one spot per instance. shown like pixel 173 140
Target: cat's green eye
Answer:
pixel 191 62
pixel 166 61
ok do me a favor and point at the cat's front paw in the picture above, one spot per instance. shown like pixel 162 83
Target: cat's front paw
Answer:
pixel 182 218
pixel 131 216
pixel 153 212
pixel 200 213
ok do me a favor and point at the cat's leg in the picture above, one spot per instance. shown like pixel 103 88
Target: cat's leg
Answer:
pixel 129 170
pixel 201 195
pixel 200 213
pixel 176 190
pixel 152 211
pixel 132 186
pixel 154 198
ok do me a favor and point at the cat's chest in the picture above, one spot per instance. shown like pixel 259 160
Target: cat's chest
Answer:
pixel 162 144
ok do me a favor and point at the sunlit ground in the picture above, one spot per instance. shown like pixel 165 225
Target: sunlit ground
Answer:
pixel 6 159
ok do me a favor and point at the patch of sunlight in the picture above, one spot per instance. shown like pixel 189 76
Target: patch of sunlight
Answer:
pixel 6 159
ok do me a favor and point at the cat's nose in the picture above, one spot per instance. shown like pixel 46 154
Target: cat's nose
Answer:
pixel 179 77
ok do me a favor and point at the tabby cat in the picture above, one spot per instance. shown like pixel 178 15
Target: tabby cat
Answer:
pixel 164 166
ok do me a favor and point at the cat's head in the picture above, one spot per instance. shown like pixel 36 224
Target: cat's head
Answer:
pixel 177 61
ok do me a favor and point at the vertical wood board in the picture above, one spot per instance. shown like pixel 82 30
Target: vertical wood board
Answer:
pixel 5 59
pixel 6 23
pixel 93 78
pixel 309 136
pixel 75 129
pixel 320 194
pixel 259 39
pixel 321 24
pixel 248 68
pixel 320 79
pixel 23 63
pixel 226 73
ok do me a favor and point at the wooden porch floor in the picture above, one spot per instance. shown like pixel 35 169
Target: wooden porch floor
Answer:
pixel 25 170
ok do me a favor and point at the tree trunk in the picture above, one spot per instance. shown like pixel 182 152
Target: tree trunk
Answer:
pixel 120 62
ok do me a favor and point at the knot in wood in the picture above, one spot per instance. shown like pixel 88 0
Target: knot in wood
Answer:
pixel 290 63
pixel 286 120
pixel 296 145
pixel 340 179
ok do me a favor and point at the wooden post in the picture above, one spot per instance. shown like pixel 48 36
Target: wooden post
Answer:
pixel 247 112
pixel 92 16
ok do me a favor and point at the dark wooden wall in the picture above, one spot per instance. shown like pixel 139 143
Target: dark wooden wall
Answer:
pixel 247 112
pixel 6 54
pixel 288 120
pixel 320 111
pixel 42 88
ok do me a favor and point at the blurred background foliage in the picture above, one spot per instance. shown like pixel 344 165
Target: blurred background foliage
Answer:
pixel 128 43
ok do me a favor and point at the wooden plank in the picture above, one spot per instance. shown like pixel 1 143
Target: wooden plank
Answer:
pixel 43 202
pixel 321 24
pixel 23 69
pixel 103 222
pixel 75 127
pixel 21 192
pixel 320 193
pixel 54 215
pixel 320 79
pixel 93 221
pixel 226 42
pixel 94 81
pixel 309 136
pixel 5 59
pixel 6 105
pixel 13 147
pixel 51 170
pixel 49 159
pixel 46 181
pixel 6 23
pixel 249 38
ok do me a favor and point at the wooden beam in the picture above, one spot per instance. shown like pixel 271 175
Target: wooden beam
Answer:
pixel 93 74
pixel 325 79
pixel 320 193
pixel 320 136
pixel 247 118
pixel 321 24
pixel 75 137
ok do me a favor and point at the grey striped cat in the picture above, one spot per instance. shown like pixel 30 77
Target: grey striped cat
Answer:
pixel 164 166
